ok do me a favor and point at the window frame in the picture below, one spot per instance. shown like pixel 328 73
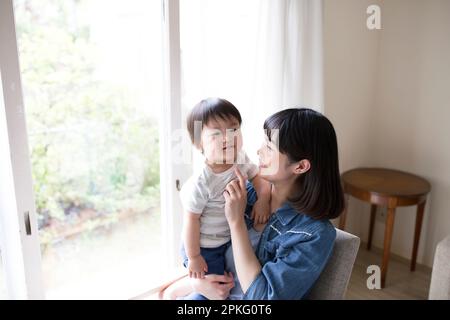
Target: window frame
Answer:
pixel 173 174
pixel 20 251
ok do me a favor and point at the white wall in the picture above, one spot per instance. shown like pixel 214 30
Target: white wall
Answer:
pixel 388 95
pixel 350 70
pixel 413 112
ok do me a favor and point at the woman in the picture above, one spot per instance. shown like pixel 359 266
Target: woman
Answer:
pixel 300 160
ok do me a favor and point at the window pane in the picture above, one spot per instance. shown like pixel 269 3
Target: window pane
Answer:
pixel 92 77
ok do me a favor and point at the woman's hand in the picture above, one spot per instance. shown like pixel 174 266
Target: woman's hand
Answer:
pixel 214 286
pixel 235 199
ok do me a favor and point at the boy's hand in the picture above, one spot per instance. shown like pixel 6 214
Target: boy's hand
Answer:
pixel 197 267
pixel 261 211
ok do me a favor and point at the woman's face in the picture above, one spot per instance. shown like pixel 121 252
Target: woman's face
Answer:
pixel 274 166
pixel 221 140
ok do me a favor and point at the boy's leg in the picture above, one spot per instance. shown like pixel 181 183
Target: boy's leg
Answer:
pixel 179 288
pixel 215 259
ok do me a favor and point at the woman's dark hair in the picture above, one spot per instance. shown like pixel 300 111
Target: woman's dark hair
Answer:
pixel 307 134
pixel 207 109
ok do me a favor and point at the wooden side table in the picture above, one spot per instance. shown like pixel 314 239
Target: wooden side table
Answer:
pixel 392 189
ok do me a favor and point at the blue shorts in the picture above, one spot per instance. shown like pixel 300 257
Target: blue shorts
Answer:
pixel 214 258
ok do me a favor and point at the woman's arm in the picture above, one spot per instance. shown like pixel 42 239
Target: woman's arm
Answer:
pixel 247 265
pixel 295 269
pixel 246 262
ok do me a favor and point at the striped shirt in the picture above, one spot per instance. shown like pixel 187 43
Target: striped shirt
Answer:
pixel 203 194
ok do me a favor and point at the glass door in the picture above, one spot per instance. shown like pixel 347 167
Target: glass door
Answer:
pixel 92 84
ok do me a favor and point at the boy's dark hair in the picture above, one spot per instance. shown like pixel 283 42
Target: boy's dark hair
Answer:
pixel 207 109
pixel 307 134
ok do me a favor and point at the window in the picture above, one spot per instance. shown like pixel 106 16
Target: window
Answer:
pixel 92 79
pixel 93 86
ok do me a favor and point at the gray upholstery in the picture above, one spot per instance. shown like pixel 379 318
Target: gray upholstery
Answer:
pixel 332 283
pixel 440 276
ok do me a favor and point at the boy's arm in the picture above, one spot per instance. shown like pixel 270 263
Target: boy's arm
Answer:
pixel 191 234
pixel 262 187
pixel 191 238
pixel 261 209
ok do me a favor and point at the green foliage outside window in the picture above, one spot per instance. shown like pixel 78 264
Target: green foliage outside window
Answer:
pixel 91 149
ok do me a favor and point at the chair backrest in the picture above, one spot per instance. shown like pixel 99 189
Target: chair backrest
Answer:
pixel 333 281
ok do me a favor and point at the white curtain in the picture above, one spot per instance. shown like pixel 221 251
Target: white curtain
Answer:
pixel 288 70
pixel 289 53
pixel 262 55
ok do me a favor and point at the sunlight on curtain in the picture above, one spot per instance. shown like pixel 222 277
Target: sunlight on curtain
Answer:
pixel 262 55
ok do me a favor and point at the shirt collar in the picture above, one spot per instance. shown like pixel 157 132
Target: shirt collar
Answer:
pixel 286 214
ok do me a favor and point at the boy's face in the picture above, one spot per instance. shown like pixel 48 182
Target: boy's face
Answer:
pixel 221 140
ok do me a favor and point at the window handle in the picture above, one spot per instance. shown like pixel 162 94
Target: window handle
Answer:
pixel 177 184
pixel 27 223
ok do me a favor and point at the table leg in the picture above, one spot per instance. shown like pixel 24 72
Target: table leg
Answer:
pixel 387 244
pixel 373 211
pixel 343 215
pixel 419 219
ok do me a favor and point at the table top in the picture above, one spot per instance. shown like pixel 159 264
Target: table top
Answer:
pixel 386 182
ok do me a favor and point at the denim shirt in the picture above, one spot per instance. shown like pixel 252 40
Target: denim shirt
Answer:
pixel 293 250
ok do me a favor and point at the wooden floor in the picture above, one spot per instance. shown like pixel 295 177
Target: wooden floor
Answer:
pixel 400 282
